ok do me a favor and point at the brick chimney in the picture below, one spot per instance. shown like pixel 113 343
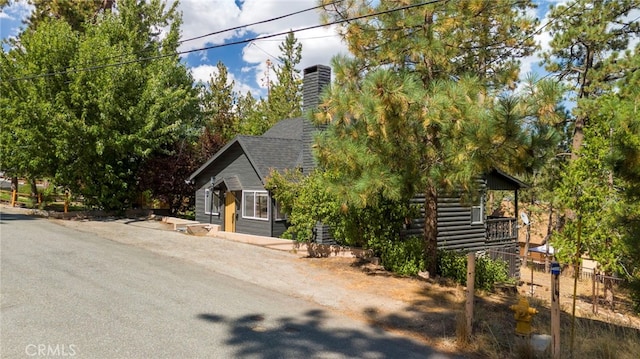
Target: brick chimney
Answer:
pixel 316 78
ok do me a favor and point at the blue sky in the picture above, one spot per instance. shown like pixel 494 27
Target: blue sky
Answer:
pixel 247 62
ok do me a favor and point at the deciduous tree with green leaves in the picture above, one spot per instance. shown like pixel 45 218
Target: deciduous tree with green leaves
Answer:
pixel 121 95
pixel 34 107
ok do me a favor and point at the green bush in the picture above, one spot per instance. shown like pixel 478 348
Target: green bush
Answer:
pixel 490 271
pixel 307 201
pixel 404 257
pixel 453 264
pixel 633 285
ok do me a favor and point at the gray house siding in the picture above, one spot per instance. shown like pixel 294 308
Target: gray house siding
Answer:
pixel 201 216
pixel 234 163
pixel 253 226
pixel 278 226
pixel 455 230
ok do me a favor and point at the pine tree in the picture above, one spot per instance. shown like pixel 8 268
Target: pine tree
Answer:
pixel 218 103
pixel 590 52
pixel 285 97
pixel 413 111
pixel 589 37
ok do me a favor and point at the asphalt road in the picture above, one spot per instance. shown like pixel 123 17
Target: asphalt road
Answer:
pixel 68 293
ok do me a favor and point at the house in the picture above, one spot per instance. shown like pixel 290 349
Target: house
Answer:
pixel 230 186
pixel 466 226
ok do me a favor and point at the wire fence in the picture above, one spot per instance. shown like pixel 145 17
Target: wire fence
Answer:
pixel 596 288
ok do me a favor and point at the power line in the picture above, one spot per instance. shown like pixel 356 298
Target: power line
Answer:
pixel 257 23
pixel 239 42
pixel 233 28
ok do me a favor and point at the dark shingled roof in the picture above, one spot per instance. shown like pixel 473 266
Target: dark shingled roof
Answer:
pixel 267 154
pixel 290 128
pixel 279 148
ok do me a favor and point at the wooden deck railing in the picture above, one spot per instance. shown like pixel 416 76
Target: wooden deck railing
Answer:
pixel 501 228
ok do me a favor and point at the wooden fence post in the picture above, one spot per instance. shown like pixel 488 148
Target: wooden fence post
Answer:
pixel 594 292
pixel 555 310
pixel 471 277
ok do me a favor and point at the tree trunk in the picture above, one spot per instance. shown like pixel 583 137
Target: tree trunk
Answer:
pixel 34 191
pixel 608 289
pixel 431 228
pixel 578 137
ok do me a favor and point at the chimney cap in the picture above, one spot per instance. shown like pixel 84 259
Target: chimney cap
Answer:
pixel 315 68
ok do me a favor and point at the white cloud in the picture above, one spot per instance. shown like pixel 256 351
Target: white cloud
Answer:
pixel 204 73
pixel 543 39
pixel 258 10
pixel 318 45
pixel 204 17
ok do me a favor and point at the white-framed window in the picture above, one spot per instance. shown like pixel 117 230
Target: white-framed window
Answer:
pixel 212 201
pixel 255 205
pixel 477 212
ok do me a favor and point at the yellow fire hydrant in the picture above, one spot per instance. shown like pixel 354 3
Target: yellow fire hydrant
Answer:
pixel 523 314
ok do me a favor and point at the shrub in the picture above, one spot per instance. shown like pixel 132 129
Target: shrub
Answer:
pixel 490 271
pixel 307 201
pixel 453 264
pixel 404 257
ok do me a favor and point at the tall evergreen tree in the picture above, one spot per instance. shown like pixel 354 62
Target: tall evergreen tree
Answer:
pixel 590 52
pixel 285 96
pixel 413 111
pixel 219 102
pixel 589 37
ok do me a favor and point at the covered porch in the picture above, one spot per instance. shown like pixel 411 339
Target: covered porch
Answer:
pixel 503 227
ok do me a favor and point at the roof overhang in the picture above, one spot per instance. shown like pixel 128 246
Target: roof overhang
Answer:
pixel 498 180
pixel 204 166
pixel 232 183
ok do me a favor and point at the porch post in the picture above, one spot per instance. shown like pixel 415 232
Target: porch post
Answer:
pixel 516 215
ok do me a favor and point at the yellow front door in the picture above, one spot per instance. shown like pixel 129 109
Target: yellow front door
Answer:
pixel 229 212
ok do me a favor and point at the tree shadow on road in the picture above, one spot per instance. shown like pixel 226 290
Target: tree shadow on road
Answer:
pixel 5 217
pixel 313 335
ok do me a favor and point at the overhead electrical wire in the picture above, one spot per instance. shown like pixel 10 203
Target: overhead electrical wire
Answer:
pixel 239 42
pixel 258 22
pixel 233 28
